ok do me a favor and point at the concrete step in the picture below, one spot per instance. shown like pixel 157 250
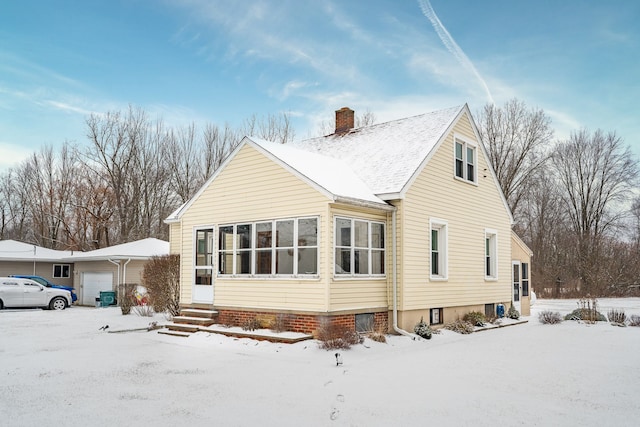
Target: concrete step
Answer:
pixel 174 333
pixel 182 327
pixel 198 312
pixel 200 321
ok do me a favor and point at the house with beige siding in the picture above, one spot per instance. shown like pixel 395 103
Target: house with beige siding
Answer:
pixel 369 227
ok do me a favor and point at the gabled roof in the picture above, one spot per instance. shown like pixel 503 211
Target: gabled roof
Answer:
pixel 140 249
pixel 386 156
pixel 333 176
pixel 367 165
pixel 12 250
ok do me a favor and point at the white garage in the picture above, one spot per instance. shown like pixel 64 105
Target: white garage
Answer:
pixel 93 283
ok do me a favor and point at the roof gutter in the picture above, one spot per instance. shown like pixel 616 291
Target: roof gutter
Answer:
pixel 365 203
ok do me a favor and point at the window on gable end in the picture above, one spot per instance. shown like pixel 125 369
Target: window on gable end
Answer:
pixel 465 159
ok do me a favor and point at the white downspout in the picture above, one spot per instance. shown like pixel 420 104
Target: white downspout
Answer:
pixel 117 262
pixel 124 271
pixel 394 276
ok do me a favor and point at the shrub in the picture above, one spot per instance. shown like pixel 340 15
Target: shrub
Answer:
pixel 460 326
pixel 126 298
pixel 422 329
pixel 549 317
pixel 513 313
pixel 280 323
pixel 475 318
pixel 587 315
pixel 617 316
pixel 333 336
pixel 634 320
pixel 379 334
pixel 251 324
pixel 144 310
pixel 161 277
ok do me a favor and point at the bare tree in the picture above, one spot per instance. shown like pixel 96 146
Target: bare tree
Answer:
pixel 595 173
pixel 517 139
pixel 275 128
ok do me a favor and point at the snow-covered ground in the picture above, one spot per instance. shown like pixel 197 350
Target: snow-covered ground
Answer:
pixel 58 368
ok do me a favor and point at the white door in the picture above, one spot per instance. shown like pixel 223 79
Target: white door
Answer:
pixel 517 286
pixel 93 283
pixel 203 266
pixel 34 294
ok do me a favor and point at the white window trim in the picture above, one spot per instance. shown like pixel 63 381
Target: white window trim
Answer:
pixel 493 249
pixel 253 249
pixel 370 249
pixel 443 248
pixel 465 142
pixel 211 268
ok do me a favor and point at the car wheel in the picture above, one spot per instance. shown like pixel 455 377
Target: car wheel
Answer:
pixel 1 305
pixel 58 303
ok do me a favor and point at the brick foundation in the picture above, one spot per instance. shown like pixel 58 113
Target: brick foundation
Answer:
pixel 294 322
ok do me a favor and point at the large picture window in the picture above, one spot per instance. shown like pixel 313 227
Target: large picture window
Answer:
pixel 204 256
pixel 359 247
pixel 465 159
pixel 287 247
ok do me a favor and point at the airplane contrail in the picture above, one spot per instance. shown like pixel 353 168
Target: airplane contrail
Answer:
pixel 450 43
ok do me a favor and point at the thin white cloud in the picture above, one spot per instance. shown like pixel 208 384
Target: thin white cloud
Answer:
pixel 11 155
pixel 451 44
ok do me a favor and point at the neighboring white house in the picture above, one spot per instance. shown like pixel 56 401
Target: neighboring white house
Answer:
pixel 88 272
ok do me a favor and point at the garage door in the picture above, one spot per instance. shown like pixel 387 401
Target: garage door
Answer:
pixel 93 283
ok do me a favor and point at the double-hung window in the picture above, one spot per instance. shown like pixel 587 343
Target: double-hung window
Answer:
pixel 465 159
pixel 525 279
pixel 438 243
pixel 286 247
pixel 204 256
pixel 490 254
pixel 359 247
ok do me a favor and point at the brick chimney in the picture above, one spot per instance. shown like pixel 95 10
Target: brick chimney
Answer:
pixel 344 120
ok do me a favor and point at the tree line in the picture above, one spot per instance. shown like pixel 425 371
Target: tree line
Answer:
pixel 575 201
pixel 122 184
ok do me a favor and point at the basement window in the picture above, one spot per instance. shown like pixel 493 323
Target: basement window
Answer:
pixel 364 322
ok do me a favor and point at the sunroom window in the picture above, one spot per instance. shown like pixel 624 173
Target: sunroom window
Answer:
pixel 286 247
pixel 359 247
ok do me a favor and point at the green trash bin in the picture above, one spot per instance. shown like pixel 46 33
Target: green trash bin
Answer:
pixel 107 298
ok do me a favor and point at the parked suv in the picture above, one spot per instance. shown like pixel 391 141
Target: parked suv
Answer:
pixel 48 284
pixel 17 292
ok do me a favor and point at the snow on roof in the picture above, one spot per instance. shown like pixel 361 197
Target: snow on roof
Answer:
pixel 385 156
pixel 12 250
pixel 140 249
pixel 331 174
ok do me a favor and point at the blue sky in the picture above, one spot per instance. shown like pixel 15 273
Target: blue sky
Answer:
pixel 223 61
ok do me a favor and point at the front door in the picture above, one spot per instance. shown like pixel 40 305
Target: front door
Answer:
pixel 517 286
pixel 204 264
pixel 34 294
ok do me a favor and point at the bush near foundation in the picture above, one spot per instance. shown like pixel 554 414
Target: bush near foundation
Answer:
pixel 475 318
pixel 333 336
pixel 161 277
